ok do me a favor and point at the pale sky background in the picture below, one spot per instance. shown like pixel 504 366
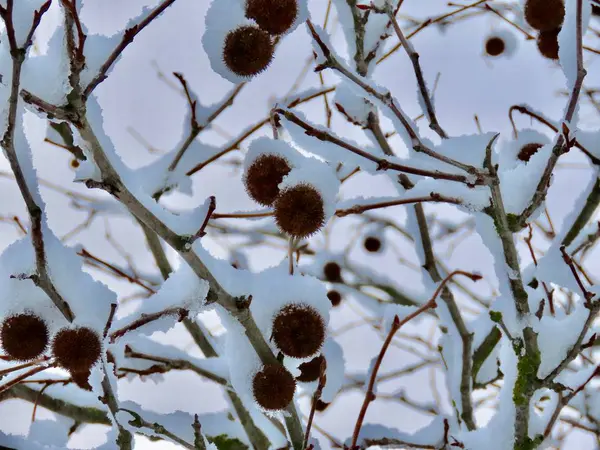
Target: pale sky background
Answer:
pixel 135 97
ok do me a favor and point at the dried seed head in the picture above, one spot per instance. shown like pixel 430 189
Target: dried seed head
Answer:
pixel 528 150
pixel 321 405
pixel 332 272
pixel 74 164
pixel 595 10
pixel 273 387
pixel 76 349
pixel 334 297
pixel 547 43
pixel 298 331
pixel 545 15
pixel 495 46
pixel 310 371
pixel 273 16
pixel 263 176
pixel 24 336
pixel 372 244
pixel 81 379
pixel 300 211
pixel 248 50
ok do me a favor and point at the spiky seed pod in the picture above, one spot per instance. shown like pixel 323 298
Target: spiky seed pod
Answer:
pixel 545 15
pixel 298 330
pixel 273 16
pixel 372 244
pixel 263 176
pixel 273 387
pixel 528 150
pixel 321 405
pixel 547 43
pixel 310 371
pixel 300 211
pixel 24 336
pixel 495 46
pixel 332 272
pixel 334 297
pixel 248 50
pixel 81 379
pixel 76 349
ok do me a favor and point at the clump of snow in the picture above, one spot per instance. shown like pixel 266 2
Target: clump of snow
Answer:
pixel 567 38
pixel 511 43
pixel 508 151
pixel 354 106
pixel 264 145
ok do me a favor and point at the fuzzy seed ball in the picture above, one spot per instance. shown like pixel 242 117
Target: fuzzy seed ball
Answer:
pixel 547 43
pixel 263 177
pixel 298 331
pixel 495 46
pixel 528 150
pixel 310 371
pixel 300 211
pixel 273 387
pixel 545 15
pixel 76 349
pixel 24 336
pixel 595 10
pixel 335 298
pixel 372 244
pixel 248 50
pixel 332 272
pixel 273 16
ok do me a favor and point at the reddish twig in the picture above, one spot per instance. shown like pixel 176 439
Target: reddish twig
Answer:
pixel 396 325
pixel 145 319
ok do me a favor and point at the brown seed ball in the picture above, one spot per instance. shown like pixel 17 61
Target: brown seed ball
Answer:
pixel 76 349
pixel 273 387
pixel 263 177
pixel 372 244
pixel 528 150
pixel 495 46
pixel 310 371
pixel 273 16
pixel 595 10
pixel 24 336
pixel 544 15
pixel 332 272
pixel 547 43
pixel 334 297
pixel 300 211
pixel 248 50
pixel 74 164
pixel 298 331
pixel 81 379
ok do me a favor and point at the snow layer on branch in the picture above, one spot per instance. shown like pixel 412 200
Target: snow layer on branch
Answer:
pixel 47 75
pixel 346 20
pixel 22 16
pixel 590 140
pixel 467 149
pixel 518 185
pixel 567 39
pixel 557 335
pixel 501 425
pixel 182 290
pixel 89 300
pixel 23 443
pixel 185 224
pixel 319 175
pixel 430 435
pixel 351 102
pixel 328 150
pixel 97 49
